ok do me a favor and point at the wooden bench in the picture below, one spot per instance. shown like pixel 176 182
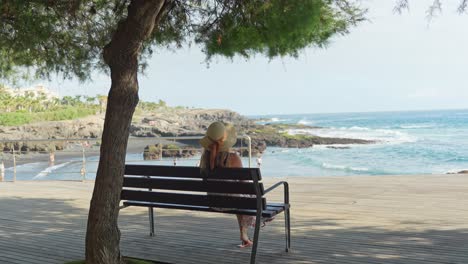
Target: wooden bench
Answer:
pixel 187 188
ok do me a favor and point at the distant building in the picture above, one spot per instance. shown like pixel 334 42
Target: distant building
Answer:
pixel 36 91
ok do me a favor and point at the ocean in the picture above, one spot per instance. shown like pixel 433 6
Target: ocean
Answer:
pixel 416 142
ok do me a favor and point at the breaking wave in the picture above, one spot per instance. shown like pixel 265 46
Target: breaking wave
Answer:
pixel 49 170
pixel 357 132
pixel 304 122
pixel 344 168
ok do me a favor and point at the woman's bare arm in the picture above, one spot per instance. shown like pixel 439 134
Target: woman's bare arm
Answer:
pixel 235 161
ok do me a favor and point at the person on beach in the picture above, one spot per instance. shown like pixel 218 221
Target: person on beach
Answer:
pixel 217 153
pixel 51 159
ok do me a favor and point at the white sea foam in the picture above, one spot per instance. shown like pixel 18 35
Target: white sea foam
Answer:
pixel 49 170
pixel 332 146
pixel 332 166
pixel 26 165
pixel 343 167
pixel 416 126
pixel 358 128
pixel 304 122
pixel 275 120
pixel 356 118
pixel 380 135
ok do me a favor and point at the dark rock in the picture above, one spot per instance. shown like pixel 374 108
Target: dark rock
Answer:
pixel 274 135
pixel 157 151
pixel 258 147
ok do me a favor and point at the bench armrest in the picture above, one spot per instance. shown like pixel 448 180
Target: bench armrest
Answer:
pixel 285 187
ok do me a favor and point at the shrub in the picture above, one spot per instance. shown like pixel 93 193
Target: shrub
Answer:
pixel 21 118
pixel 15 119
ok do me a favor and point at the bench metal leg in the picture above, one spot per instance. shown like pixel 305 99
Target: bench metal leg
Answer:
pixel 255 241
pixel 151 215
pixel 287 229
pixel 151 220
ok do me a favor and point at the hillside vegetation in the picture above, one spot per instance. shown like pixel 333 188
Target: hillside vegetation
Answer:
pixel 33 107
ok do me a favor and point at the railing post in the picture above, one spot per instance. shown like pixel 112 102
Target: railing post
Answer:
pixel 249 142
pixel 83 166
pixel 14 164
pixel 160 149
pixel 2 171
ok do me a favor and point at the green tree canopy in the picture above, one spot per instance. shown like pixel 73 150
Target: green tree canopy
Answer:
pixel 66 37
pixel 54 37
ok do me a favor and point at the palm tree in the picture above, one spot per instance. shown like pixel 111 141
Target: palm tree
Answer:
pixel 21 102
pixel 9 103
pixel 55 102
pixel 102 103
pixel 89 100
pixel 77 100
pixel 67 100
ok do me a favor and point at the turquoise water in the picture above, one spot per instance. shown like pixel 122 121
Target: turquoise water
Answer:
pixel 430 142
pixel 408 143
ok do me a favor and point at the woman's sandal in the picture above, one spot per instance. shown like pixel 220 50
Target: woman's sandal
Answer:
pixel 267 220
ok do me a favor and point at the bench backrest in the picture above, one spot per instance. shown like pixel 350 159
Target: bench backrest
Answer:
pixel 189 186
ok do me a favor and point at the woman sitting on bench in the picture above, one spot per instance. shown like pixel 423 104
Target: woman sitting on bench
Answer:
pixel 217 153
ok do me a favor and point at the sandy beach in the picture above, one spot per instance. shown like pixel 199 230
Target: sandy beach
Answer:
pixel 74 151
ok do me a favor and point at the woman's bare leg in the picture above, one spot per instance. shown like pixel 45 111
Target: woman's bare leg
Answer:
pixel 244 235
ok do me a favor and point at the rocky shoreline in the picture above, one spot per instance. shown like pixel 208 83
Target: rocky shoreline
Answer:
pixel 277 135
pixel 459 172
pixel 167 122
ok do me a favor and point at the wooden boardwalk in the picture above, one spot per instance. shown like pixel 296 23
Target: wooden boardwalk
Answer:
pixel 349 220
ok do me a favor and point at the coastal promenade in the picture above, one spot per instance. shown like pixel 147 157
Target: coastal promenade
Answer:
pixel 350 220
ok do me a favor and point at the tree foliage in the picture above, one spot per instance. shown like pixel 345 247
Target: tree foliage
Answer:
pixel 40 38
pixel 55 36
pixel 433 9
pixel 275 28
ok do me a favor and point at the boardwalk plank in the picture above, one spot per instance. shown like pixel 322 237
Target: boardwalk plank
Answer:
pixel 343 220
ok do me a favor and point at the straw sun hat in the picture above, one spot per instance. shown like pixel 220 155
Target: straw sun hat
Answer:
pixel 216 132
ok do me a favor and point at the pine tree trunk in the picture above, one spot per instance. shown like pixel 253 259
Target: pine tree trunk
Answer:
pixel 121 54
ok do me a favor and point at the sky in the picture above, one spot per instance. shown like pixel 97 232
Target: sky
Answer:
pixel 391 63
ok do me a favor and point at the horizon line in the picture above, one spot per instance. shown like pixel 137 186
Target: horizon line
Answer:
pixel 365 112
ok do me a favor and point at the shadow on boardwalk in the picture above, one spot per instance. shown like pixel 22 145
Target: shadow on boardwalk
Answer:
pixel 40 230
pixel 53 231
